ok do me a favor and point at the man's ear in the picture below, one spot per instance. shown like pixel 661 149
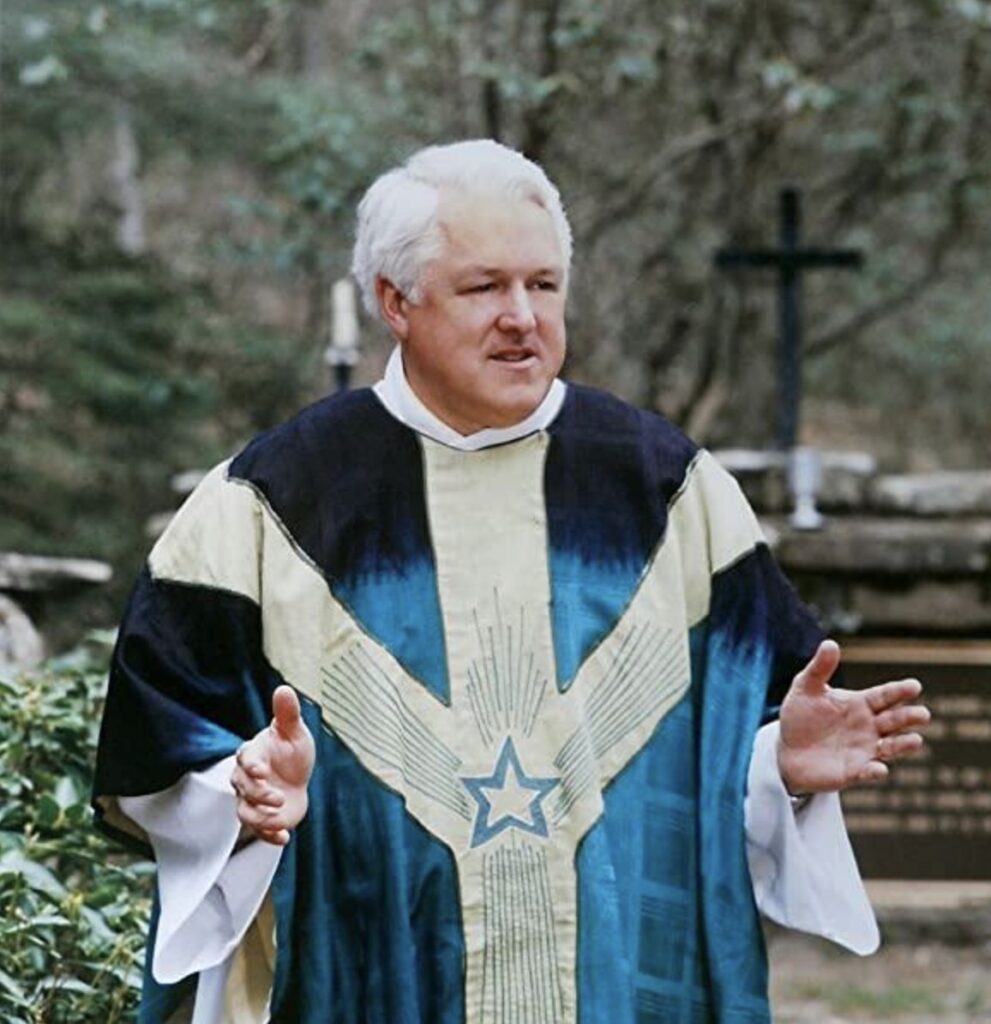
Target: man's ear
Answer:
pixel 393 306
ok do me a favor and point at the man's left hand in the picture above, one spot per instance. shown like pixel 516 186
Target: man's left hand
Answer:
pixel 832 739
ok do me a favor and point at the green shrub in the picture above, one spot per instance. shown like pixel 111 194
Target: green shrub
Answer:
pixel 73 909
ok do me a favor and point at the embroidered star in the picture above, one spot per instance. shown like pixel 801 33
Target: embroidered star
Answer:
pixel 508 798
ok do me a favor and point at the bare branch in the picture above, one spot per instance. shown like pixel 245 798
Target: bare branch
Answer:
pixel 537 122
pixel 850 328
pixel 258 52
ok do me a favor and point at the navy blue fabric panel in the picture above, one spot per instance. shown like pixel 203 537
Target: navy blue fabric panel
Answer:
pixel 756 603
pixel 346 480
pixel 611 472
pixel 343 477
pixel 188 683
pixel 367 907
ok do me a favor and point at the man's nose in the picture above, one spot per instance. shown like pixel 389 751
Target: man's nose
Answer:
pixel 518 313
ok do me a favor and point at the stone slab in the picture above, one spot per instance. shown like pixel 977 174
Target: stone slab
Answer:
pixel 922 607
pixel 42 574
pixel 763 476
pixel 933 494
pixel 865 546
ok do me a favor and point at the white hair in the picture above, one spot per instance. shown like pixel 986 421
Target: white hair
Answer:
pixel 397 234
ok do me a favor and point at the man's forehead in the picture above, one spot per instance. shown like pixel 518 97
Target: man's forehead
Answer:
pixel 467 218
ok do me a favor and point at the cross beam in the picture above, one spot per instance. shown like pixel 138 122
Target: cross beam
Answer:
pixel 790 259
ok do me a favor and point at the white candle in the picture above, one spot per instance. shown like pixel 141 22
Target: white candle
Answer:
pixel 344 322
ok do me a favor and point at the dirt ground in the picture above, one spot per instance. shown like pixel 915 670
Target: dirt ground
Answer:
pixel 813 982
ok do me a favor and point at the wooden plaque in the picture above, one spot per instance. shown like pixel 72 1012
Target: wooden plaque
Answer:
pixel 932 819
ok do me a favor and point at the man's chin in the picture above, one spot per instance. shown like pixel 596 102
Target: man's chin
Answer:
pixel 510 413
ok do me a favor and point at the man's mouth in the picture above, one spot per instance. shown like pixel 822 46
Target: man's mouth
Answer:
pixel 516 355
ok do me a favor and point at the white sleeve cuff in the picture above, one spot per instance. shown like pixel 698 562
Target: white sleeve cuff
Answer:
pixel 802 866
pixel 209 894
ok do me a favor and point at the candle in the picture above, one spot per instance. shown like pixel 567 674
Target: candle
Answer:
pixel 344 316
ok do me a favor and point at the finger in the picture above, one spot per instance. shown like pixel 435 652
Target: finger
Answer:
pixel 279 837
pixel 259 818
pixel 253 783
pixel 814 678
pixel 872 773
pixel 255 791
pixel 891 748
pixel 285 708
pixel 251 760
pixel 887 695
pixel 902 718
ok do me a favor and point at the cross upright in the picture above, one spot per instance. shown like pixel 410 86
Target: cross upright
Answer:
pixel 790 259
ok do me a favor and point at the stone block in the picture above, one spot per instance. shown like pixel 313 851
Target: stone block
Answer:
pixel 763 476
pixel 950 494
pixel 41 574
pixel 870 546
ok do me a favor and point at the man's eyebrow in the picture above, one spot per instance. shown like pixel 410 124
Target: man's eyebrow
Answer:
pixel 478 268
pixel 485 271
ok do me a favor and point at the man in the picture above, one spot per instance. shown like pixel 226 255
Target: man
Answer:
pixel 518 639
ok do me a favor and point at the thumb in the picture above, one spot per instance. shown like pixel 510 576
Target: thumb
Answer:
pixel 814 678
pixel 285 711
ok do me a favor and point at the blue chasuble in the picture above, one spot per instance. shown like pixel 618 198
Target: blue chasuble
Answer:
pixel 534 673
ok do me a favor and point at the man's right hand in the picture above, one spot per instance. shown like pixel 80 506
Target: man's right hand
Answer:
pixel 272 771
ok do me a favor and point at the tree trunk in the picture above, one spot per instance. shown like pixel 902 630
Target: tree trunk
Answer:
pixel 124 173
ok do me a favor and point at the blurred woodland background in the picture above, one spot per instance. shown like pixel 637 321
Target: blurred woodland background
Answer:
pixel 179 179
pixel 177 189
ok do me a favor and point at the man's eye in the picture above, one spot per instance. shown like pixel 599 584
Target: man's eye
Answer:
pixel 485 286
pixel 545 285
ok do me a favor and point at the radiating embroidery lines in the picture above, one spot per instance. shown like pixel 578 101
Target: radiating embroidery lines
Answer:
pixel 647 673
pixel 368 710
pixel 520 976
pixel 505 685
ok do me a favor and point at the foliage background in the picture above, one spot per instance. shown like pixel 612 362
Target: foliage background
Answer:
pixel 73 910
pixel 179 179
pixel 177 186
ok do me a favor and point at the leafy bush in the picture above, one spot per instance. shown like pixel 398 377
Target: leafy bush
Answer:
pixel 73 910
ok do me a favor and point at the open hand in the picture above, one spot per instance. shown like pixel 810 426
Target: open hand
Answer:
pixel 832 739
pixel 272 771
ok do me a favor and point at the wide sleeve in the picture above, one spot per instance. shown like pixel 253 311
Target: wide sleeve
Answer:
pixel 190 681
pixel 189 678
pixel 802 867
pixel 209 889
pixel 750 634
pixel 759 635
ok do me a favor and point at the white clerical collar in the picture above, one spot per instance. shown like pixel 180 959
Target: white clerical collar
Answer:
pixel 397 396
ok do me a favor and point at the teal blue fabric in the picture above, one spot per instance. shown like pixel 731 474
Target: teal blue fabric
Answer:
pixel 668 930
pixel 367 907
pixel 587 598
pixel 401 610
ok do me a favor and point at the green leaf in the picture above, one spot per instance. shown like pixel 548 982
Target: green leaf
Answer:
pixel 47 811
pixel 11 985
pixel 37 875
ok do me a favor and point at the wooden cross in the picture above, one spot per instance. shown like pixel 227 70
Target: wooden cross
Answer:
pixel 790 259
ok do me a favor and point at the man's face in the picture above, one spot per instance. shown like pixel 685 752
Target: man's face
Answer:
pixel 487 339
